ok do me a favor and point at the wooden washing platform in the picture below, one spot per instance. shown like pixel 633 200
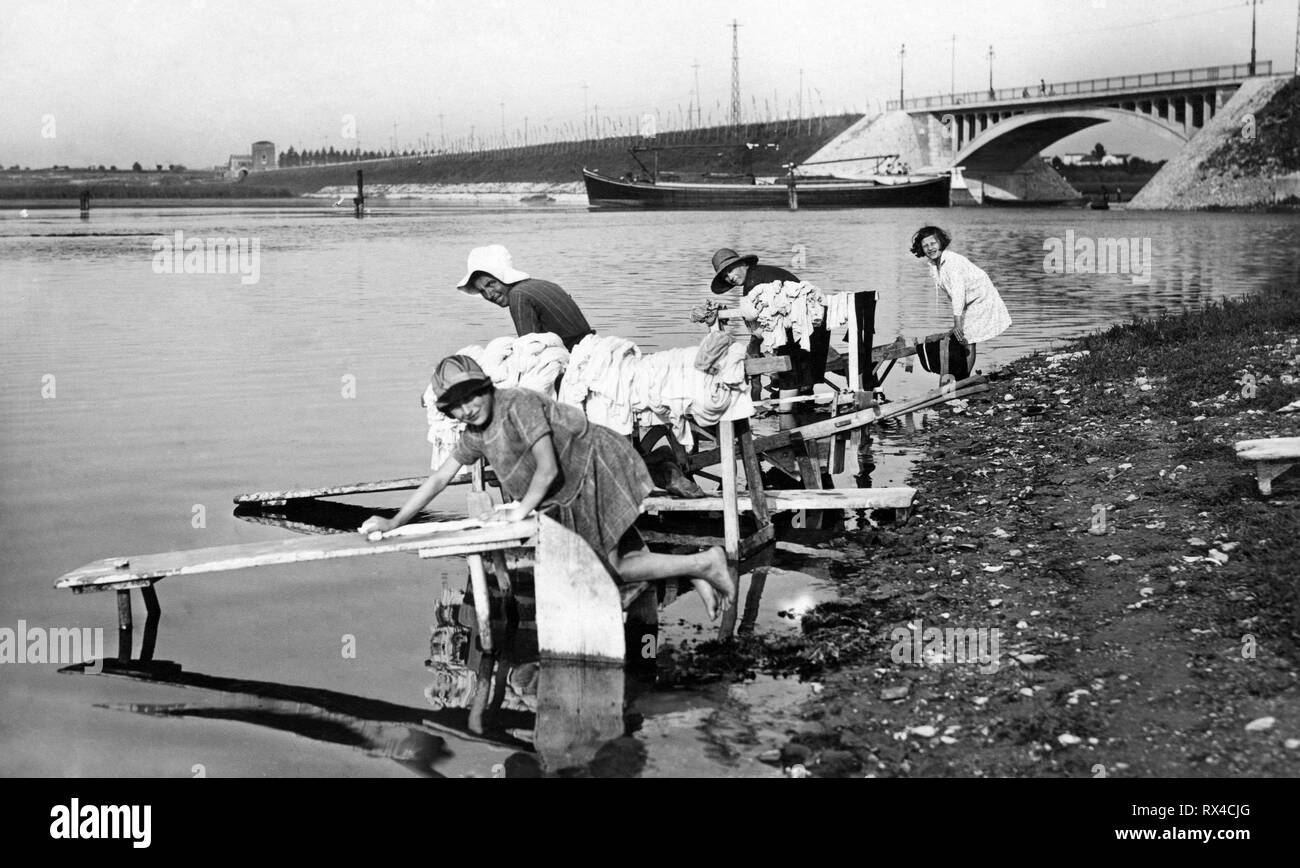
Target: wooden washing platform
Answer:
pixel 579 611
pixel 786 500
pixel 1272 456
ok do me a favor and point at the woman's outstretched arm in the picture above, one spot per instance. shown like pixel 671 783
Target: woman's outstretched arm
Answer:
pixel 418 500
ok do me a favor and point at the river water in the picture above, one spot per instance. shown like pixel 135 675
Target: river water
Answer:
pixel 134 404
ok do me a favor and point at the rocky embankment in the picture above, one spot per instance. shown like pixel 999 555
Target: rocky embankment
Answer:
pixel 1091 585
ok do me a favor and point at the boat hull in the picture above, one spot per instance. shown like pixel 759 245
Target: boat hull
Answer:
pixel 609 193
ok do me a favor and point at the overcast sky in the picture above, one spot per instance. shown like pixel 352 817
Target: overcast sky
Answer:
pixel 192 81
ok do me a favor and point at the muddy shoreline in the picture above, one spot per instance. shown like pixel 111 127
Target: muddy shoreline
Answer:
pixel 1091 584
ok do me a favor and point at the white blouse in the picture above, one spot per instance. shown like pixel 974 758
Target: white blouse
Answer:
pixel 973 295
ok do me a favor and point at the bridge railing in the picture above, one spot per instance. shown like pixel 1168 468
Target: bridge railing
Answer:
pixel 1089 86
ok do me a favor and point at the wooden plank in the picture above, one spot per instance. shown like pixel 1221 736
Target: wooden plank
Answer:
pixel 898 348
pixel 855 367
pixel 786 500
pixel 334 490
pixel 113 572
pixel 1269 449
pixel 767 365
pixel 860 337
pixel 482 603
pixel 579 613
pixel 446 551
pixel 730 513
pixel 838 424
pixel 753 473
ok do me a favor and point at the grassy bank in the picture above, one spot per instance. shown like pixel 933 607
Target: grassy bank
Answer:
pixel 1089 513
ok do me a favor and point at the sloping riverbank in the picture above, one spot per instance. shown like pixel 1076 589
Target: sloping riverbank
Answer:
pixel 1247 157
pixel 1128 598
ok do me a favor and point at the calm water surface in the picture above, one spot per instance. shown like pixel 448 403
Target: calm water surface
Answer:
pixel 171 393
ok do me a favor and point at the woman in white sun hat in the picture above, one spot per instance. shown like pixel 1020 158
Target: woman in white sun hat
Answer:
pixel 535 305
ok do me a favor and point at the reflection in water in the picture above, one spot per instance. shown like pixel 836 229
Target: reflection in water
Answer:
pixel 432 744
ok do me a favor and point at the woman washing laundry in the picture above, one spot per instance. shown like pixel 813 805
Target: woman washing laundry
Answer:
pixel 730 269
pixel 978 313
pixel 549 456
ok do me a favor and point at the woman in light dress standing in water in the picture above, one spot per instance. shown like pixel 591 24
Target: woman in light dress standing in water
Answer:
pixel 978 313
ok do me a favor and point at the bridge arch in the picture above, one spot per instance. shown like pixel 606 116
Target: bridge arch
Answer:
pixel 1011 142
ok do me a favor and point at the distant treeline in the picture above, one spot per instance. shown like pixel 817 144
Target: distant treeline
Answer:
pixel 778 142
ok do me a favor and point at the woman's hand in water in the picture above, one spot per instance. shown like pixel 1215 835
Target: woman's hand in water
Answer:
pixel 377 524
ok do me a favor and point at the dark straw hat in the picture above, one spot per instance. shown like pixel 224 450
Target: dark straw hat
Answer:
pixel 455 379
pixel 724 259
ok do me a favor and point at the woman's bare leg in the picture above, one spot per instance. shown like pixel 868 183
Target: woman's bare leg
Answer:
pixel 707 571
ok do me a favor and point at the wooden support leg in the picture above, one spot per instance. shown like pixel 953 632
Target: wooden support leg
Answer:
pixel 730 512
pixel 477 502
pixel 764 531
pixel 124 626
pixel 1267 471
pixel 483 613
pixel 154 611
pixel 730 505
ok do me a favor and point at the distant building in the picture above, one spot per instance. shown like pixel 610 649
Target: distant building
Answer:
pixel 263 156
pixel 1078 159
pixel 239 165
pixel 1116 159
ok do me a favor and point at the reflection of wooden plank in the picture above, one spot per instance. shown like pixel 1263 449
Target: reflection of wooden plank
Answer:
pixel 353 488
pixel 121 572
pixel 580 637
pixel 331 491
pixel 785 500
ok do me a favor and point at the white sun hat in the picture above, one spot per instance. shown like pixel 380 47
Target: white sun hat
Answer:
pixel 493 259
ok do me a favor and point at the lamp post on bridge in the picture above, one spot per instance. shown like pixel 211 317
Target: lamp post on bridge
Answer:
pixel 952 72
pixel 991 92
pixel 1252 37
pixel 902 52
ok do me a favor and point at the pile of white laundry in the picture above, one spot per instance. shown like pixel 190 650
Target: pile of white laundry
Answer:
pixel 612 381
pixel 770 309
pixel 615 383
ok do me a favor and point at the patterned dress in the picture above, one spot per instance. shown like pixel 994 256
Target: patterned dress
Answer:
pixel 602 479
